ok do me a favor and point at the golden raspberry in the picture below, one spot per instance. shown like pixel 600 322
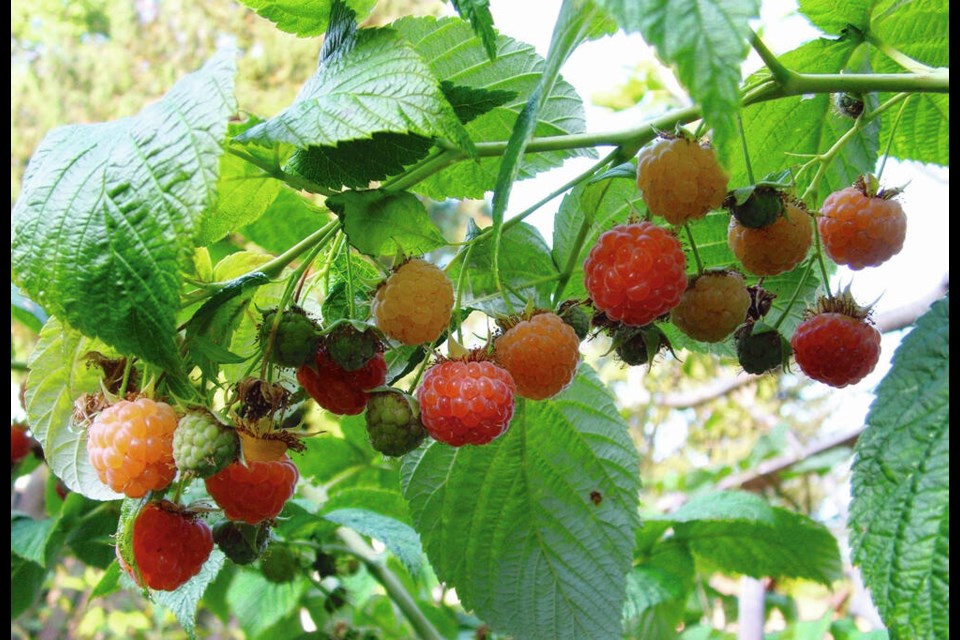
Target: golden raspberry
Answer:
pixel 680 180
pixel 541 354
pixel 776 248
pixel 713 305
pixel 413 306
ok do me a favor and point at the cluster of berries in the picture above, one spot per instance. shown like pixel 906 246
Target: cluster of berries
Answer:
pixel 636 273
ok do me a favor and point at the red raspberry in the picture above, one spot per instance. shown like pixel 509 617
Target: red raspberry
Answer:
pixel 169 546
pixel 635 273
pixel 414 304
pixel 131 446
pixel 680 179
pixel 776 248
pixel 340 391
pixel 860 231
pixel 20 443
pixel 255 492
pixel 466 402
pixel 713 306
pixel 836 346
pixel 541 354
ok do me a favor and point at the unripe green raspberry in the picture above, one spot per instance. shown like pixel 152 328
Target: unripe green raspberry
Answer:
pixel 202 445
pixel 241 542
pixel 576 317
pixel 279 565
pixel 352 348
pixel 296 339
pixel 639 345
pixel 761 348
pixel 393 423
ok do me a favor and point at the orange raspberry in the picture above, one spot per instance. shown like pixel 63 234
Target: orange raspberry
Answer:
pixel 774 249
pixel 541 354
pixel 859 231
pixel 131 446
pixel 714 304
pixel 255 492
pixel 836 349
pixel 413 306
pixel 680 179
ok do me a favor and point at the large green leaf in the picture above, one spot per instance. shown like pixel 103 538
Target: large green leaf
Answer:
pixel 527 272
pixel 738 532
pixel 106 216
pixel 657 590
pixel 900 512
pixel 397 536
pixel 381 223
pixel 258 603
pixel 26 578
pixel 29 538
pixel 376 83
pixel 455 54
pixel 705 41
pixel 535 530
pixel 184 600
pixel 305 17
pixel 834 17
pixel 288 220
pixel 805 125
pixel 58 376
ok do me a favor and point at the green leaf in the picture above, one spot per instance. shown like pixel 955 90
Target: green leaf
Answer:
pixel 258 603
pixel 58 376
pixel 109 583
pixel 25 310
pixel 398 537
pixel 657 590
pixel 381 223
pixel 512 524
pixel 592 208
pixel 106 214
pixel 26 578
pixel 900 511
pixel 183 602
pixel 527 271
pixel 706 42
pixel 834 17
pixel 738 532
pixel 29 537
pixel 805 125
pixel 379 84
pixel 456 55
pixel 244 192
pixel 469 103
pixel 288 220
pixel 478 13
pixel 384 501
pixel 305 17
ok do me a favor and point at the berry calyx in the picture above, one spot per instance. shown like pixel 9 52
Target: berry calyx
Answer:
pixel 680 179
pixel 859 230
pixel 351 348
pixel 636 273
pixel 131 446
pixel 241 542
pixel 414 304
pixel 202 445
pixel 761 348
pixel 20 443
pixel 337 390
pixel 836 345
pixel 170 546
pixel 776 248
pixel 393 423
pixel 255 492
pixel 714 304
pixel 296 337
pixel 540 353
pixel 756 207
pixel 466 401
pixel 848 104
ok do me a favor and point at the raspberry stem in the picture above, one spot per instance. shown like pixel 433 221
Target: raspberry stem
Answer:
pixel 893 130
pixel 746 154
pixel 693 248
pixel 796 294
pixel 351 310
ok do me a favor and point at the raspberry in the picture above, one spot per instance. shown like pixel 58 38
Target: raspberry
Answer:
pixel 776 248
pixel 859 231
pixel 339 391
pixel 296 338
pixel 466 401
pixel 279 564
pixel 576 317
pixel 848 104
pixel 761 348
pixel 20 443
pixel 241 542
pixel 635 273
pixel 639 345
pixel 713 306
pixel 413 306
pixel 169 545
pixel 680 179
pixel 255 492
pixel 541 354
pixel 203 446
pixel 350 347
pixel 836 346
pixel 131 446
pixel 393 424
pixel 761 207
